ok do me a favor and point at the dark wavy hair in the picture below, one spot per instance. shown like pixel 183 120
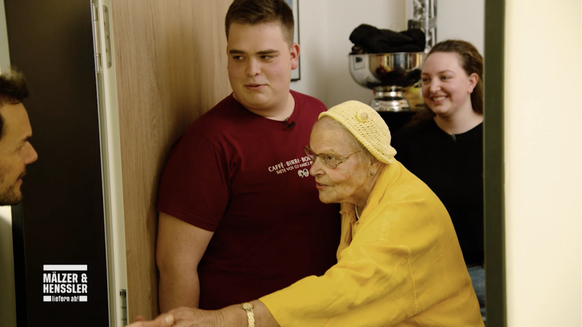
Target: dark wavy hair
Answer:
pixel 254 12
pixel 12 91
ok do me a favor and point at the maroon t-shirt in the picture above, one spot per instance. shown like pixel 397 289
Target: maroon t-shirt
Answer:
pixel 246 178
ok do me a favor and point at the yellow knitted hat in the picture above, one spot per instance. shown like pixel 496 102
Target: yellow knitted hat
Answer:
pixel 367 127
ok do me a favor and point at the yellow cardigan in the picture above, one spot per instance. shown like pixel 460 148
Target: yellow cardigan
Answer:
pixel 399 265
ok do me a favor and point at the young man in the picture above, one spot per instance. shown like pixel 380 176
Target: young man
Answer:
pixel 239 214
pixel 15 132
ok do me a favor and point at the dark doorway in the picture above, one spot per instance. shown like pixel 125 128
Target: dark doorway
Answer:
pixel 60 221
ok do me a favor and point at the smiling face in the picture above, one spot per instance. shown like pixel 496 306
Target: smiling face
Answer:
pixel 349 182
pixel 260 62
pixel 15 152
pixel 446 87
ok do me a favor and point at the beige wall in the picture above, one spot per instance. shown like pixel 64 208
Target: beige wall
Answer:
pixel 543 166
pixel 4 53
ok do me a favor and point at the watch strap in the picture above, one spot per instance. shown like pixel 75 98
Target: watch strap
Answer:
pixel 248 307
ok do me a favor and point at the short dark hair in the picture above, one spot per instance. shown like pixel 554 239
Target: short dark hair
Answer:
pixel 12 87
pixel 12 91
pixel 255 12
pixel 472 63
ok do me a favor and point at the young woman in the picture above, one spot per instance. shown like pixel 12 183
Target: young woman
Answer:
pixel 444 146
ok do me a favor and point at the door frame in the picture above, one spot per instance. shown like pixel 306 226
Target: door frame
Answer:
pixel 493 164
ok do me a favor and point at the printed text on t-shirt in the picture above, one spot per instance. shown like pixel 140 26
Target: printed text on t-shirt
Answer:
pixel 297 163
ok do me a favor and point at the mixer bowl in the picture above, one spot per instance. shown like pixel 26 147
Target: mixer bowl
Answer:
pixel 400 69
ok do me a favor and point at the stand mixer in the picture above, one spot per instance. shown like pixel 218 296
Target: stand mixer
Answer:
pixel 387 74
pixel 395 77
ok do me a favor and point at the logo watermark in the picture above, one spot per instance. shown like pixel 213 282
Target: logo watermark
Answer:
pixel 65 283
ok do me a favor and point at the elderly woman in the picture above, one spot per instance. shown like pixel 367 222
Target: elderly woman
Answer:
pixel 399 261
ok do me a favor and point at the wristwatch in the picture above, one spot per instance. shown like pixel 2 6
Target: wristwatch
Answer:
pixel 250 313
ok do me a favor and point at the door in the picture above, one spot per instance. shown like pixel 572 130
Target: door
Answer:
pixel 59 234
pixel 169 59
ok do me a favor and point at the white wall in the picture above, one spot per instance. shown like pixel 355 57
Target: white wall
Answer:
pixel 543 162
pixel 312 58
pixel 462 19
pixel 325 27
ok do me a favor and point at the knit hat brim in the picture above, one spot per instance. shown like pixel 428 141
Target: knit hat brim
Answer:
pixel 366 125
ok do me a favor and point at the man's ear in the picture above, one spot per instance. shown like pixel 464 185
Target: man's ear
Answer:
pixel 294 51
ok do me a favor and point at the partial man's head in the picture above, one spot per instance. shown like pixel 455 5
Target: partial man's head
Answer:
pixel 256 12
pixel 15 132
pixel 261 53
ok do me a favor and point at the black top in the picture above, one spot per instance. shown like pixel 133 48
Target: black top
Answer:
pixel 452 166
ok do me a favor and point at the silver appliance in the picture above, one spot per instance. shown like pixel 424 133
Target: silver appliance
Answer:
pixel 388 74
pixel 395 77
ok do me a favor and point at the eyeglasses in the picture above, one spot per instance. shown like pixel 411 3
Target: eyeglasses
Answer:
pixel 328 160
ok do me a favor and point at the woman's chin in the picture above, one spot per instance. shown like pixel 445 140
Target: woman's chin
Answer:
pixel 325 199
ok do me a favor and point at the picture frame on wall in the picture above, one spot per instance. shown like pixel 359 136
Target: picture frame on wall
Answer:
pixel 294 4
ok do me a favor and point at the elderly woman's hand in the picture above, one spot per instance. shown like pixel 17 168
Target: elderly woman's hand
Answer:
pixel 163 320
pixel 231 316
pixel 183 317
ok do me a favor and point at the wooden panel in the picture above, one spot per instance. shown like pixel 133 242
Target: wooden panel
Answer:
pixel 171 67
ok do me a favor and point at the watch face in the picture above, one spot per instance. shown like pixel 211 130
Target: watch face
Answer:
pixel 247 306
